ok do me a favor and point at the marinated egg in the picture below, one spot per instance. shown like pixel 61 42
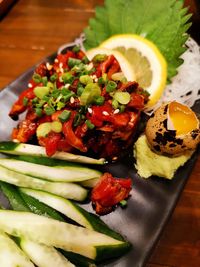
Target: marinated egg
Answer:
pixel 172 129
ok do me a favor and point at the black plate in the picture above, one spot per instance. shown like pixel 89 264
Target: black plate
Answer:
pixel 152 201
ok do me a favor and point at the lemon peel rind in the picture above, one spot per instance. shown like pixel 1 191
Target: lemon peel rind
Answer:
pixel 150 50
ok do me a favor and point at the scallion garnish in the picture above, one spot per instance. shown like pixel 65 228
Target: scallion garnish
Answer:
pixel 73 62
pixel 89 124
pixel 76 49
pixel 25 101
pixel 49 110
pixel 65 115
pixel 99 100
pixel 53 77
pixel 38 112
pixel 111 86
pixel 36 78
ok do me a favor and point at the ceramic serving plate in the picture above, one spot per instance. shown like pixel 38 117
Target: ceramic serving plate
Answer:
pixel 151 203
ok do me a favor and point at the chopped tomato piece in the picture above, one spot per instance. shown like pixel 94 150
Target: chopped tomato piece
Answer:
pixel 72 139
pixel 109 192
pixel 25 131
pixel 50 143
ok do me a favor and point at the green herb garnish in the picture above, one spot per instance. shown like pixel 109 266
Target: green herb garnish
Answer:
pixel 163 22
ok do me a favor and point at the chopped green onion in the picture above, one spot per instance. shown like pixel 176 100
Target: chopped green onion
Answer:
pixel 53 77
pixel 91 91
pixel 99 100
pixel 122 97
pixel 101 81
pixel 43 129
pixel 25 101
pixel 85 60
pixel 67 78
pixel 41 91
pixel 34 100
pixel 77 120
pixel 76 49
pixel 40 104
pixel 85 79
pixel 64 116
pixel 60 105
pixel 44 80
pixel 36 78
pixel 123 203
pixel 49 110
pixel 99 58
pixel 115 103
pixel 89 124
pixel 111 86
pixel 56 126
pixel 80 90
pixel 55 93
pixel 73 62
pixel 50 85
pixel 121 108
pixel 38 112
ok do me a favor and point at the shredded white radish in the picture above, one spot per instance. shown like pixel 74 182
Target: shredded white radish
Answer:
pixel 185 86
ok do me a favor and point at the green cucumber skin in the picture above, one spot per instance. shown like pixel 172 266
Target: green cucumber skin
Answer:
pixel 104 253
pixel 23 202
pixel 13 196
pixel 8 146
pixel 40 208
pixel 55 173
pixel 97 224
pixel 68 190
pixel 77 259
pixel 46 161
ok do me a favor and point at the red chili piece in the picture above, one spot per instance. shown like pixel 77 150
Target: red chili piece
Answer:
pixel 109 192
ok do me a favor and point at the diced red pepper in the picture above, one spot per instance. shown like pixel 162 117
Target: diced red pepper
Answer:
pixel 109 192
pixel 25 131
pixel 50 142
pixel 137 101
pixel 70 136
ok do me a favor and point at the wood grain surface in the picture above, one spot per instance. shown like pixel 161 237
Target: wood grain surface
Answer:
pixel 34 29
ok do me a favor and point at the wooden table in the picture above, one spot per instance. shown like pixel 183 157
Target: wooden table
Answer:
pixel 35 29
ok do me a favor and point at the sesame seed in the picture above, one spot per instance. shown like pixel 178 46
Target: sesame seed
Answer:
pixel 61 70
pixel 89 110
pixel 16 141
pixel 49 66
pixel 30 85
pixel 56 60
pixel 72 99
pixel 114 158
pixel 105 113
pixel 67 85
pixel 116 111
pixel 96 80
pixel 89 66
pixel 60 65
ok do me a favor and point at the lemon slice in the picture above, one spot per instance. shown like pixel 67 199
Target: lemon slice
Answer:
pixel 149 65
pixel 126 67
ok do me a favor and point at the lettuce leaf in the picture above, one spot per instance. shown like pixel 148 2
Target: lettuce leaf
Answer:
pixel 163 22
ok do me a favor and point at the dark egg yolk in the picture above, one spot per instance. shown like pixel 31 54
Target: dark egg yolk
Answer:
pixel 183 118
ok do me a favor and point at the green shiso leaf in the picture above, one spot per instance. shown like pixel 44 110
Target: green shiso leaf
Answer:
pixel 165 23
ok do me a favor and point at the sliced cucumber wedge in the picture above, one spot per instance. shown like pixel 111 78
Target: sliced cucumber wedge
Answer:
pixel 54 174
pixel 33 150
pixel 11 255
pixel 44 256
pixel 62 235
pixel 72 211
pixel 67 190
pixel 20 201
